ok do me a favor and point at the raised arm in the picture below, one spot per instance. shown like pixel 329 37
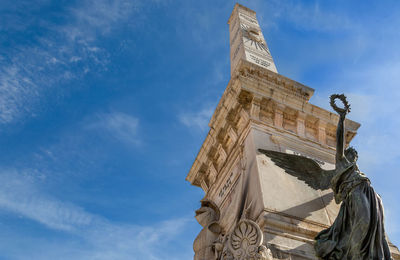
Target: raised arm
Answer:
pixel 340 128
pixel 340 138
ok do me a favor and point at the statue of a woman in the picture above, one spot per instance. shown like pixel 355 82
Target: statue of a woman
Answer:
pixel 358 232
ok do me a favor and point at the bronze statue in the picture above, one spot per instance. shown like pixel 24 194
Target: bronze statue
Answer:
pixel 358 231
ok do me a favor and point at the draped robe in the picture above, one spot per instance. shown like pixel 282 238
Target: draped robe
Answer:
pixel 358 232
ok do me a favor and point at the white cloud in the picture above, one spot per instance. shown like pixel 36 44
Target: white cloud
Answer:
pixel 28 72
pixel 101 239
pixel 18 194
pixel 93 16
pixel 15 92
pixel 313 17
pixel 122 126
pixel 303 15
pixel 197 119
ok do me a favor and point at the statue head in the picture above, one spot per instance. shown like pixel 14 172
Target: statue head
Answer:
pixel 351 154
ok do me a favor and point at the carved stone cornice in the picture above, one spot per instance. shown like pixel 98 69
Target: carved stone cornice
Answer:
pixel 259 96
pixel 278 82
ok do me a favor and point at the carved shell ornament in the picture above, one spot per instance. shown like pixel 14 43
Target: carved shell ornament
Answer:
pixel 245 234
pixel 341 97
pixel 245 241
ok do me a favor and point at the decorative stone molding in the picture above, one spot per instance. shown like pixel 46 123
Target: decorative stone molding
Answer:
pixel 330 134
pixel 278 116
pixel 245 98
pixel 255 108
pixel 223 138
pixel 322 132
pixel 311 131
pixel 262 98
pixel 204 185
pixel 267 110
pixel 212 172
pixel 245 242
pixel 233 117
pixel 232 134
pixel 221 156
pixel 301 123
pixel 289 119
pixel 291 87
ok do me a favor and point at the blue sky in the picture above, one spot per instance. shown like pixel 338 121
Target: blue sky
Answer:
pixel 105 104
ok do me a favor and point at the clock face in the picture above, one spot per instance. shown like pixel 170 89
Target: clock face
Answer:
pixel 253 38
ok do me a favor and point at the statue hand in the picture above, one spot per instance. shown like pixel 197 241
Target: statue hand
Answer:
pixel 342 114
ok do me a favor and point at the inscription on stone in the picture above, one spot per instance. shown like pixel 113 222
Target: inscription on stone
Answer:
pixel 227 185
pixel 248 18
pixel 259 61
pixel 245 32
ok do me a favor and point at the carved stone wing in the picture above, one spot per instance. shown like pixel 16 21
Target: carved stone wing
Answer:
pixel 302 168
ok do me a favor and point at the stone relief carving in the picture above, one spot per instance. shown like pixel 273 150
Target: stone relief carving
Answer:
pixel 207 216
pixel 243 243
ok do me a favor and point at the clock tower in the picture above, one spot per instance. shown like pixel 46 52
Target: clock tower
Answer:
pixel 253 209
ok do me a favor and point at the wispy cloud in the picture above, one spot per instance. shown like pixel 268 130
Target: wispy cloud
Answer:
pixel 16 92
pixel 121 126
pixel 198 120
pixel 20 195
pixel 303 15
pixel 67 51
pixel 312 17
pixel 93 17
pixel 103 239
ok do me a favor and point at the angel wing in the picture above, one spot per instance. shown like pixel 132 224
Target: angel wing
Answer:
pixel 302 168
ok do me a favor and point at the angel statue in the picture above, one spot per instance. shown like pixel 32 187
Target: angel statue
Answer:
pixel 358 231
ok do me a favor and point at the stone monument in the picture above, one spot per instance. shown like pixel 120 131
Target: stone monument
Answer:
pixel 253 208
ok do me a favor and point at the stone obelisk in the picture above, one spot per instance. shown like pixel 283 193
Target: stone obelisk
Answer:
pixel 252 209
